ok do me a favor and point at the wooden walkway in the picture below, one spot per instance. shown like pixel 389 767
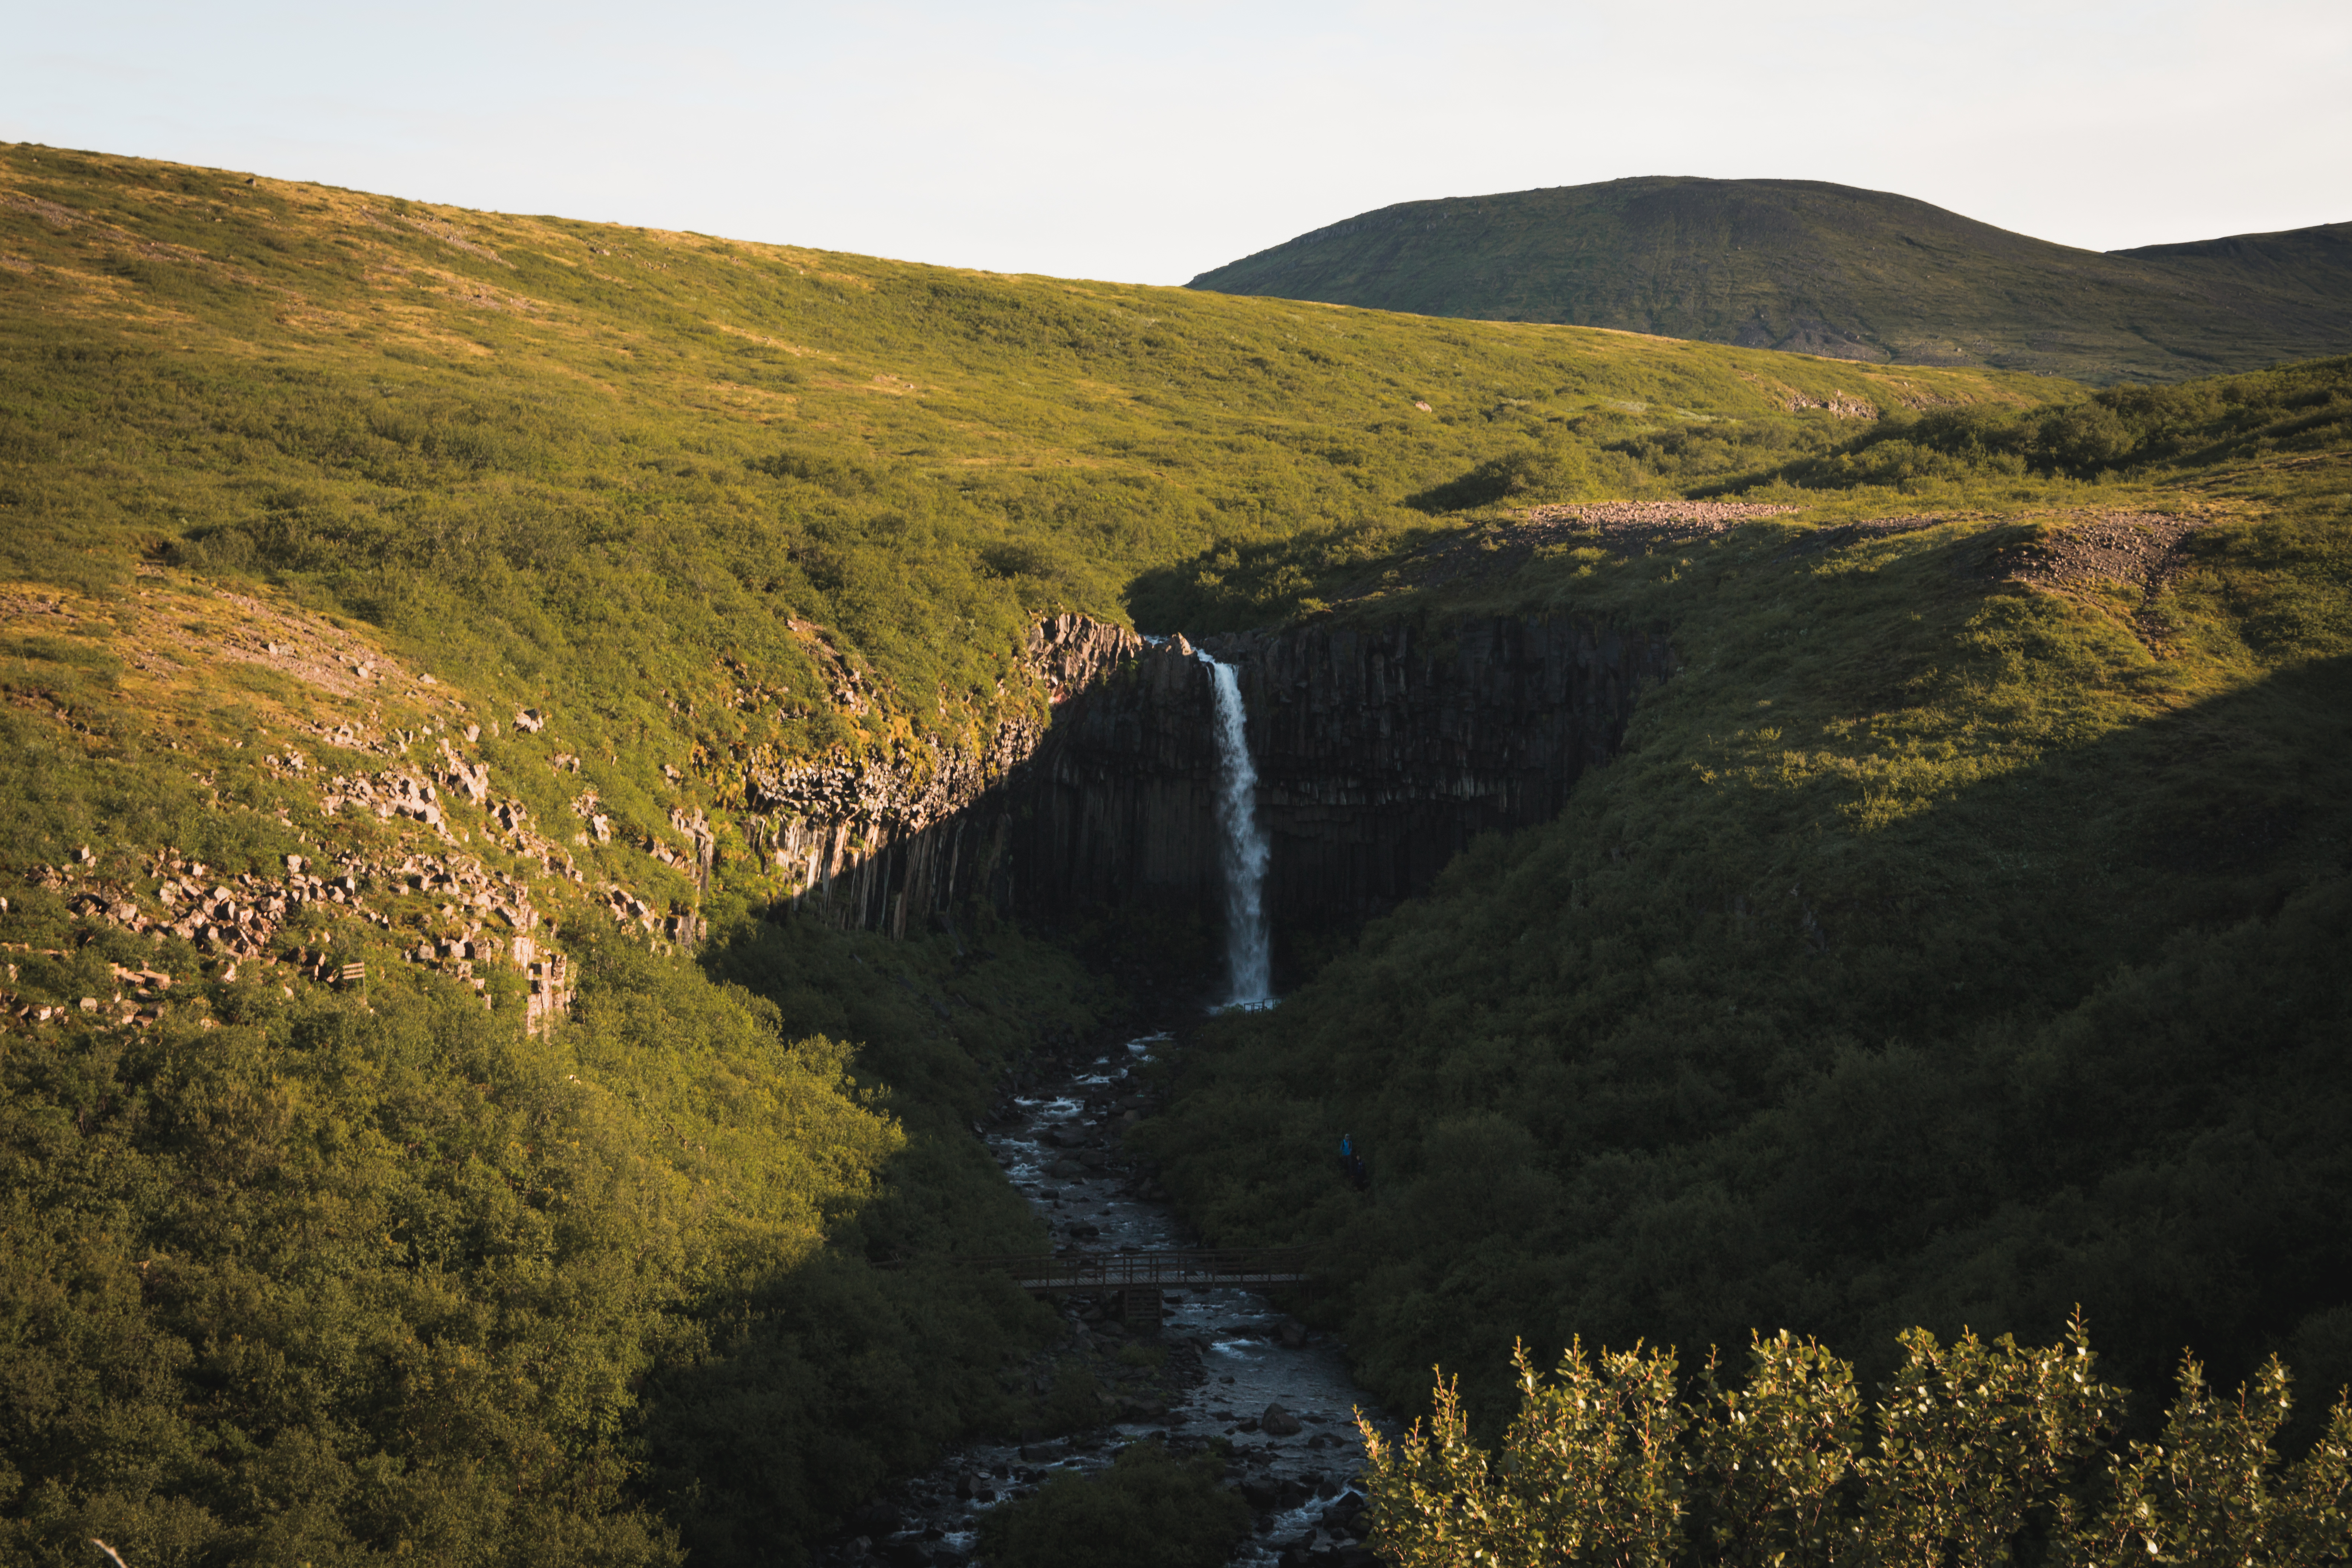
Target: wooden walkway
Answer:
pixel 1188 1270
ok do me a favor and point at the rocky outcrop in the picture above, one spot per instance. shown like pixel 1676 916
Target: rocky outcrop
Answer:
pixel 874 842
pixel 1379 754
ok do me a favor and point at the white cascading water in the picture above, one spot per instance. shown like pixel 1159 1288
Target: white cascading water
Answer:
pixel 1247 955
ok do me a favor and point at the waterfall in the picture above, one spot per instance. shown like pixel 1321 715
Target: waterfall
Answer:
pixel 1247 958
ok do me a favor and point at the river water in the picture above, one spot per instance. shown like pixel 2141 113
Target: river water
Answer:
pixel 1230 1354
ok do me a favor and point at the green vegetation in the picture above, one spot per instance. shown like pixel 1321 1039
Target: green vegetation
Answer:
pixel 1150 1509
pixel 1827 269
pixel 306 1277
pixel 2121 434
pixel 1984 1454
pixel 711 508
pixel 1899 973
pixel 1954 940
pixel 584 468
pixel 2269 438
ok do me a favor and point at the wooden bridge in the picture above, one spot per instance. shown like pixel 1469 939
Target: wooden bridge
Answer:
pixel 1137 1279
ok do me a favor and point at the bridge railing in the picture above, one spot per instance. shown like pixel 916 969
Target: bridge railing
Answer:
pixel 1198 1269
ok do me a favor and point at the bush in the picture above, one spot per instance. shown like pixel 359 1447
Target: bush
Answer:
pixel 1150 1510
pixel 1982 1448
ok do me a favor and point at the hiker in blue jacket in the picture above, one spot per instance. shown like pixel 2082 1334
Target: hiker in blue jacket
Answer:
pixel 1352 1164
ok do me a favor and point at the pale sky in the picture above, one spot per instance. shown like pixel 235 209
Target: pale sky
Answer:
pixel 1147 143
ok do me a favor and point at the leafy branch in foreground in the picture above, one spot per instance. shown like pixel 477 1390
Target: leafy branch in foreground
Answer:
pixel 1981 1447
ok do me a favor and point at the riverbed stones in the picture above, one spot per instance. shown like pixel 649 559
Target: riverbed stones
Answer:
pixel 1279 1422
pixel 1167 1397
pixel 874 1518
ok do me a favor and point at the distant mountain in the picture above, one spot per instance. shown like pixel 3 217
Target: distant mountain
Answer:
pixel 1827 269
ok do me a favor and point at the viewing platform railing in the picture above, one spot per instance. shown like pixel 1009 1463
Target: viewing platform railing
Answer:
pixel 1196 1269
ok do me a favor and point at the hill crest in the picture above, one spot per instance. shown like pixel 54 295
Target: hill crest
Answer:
pixel 1807 267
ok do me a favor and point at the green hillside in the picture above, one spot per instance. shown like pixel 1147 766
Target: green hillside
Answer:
pixel 397 586
pixel 1960 938
pixel 316 501
pixel 1827 269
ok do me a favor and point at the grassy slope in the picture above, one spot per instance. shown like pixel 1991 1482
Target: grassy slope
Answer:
pixel 1822 269
pixel 495 435
pixel 327 1274
pixel 298 1273
pixel 1949 946
pixel 663 488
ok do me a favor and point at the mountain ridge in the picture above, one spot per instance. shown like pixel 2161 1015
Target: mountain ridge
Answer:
pixel 1809 267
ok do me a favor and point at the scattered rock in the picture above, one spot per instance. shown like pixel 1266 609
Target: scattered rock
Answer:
pixel 1279 1422
pixel 1641 521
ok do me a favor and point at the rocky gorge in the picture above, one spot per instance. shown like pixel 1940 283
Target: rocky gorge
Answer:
pixel 1218 1371
pixel 1380 753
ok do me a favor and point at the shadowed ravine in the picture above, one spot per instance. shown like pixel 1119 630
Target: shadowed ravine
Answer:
pixel 1231 1355
pixel 1265 787
pixel 1378 754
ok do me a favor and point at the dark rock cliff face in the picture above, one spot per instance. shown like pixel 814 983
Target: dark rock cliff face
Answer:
pixel 876 843
pixel 1379 754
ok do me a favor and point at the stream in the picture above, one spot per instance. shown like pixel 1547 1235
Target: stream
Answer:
pixel 1229 1356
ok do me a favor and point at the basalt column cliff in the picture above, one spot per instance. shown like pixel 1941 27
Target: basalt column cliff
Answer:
pixel 1380 753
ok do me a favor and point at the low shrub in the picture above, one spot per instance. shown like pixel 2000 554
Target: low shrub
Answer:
pixel 1984 1454
pixel 1150 1510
